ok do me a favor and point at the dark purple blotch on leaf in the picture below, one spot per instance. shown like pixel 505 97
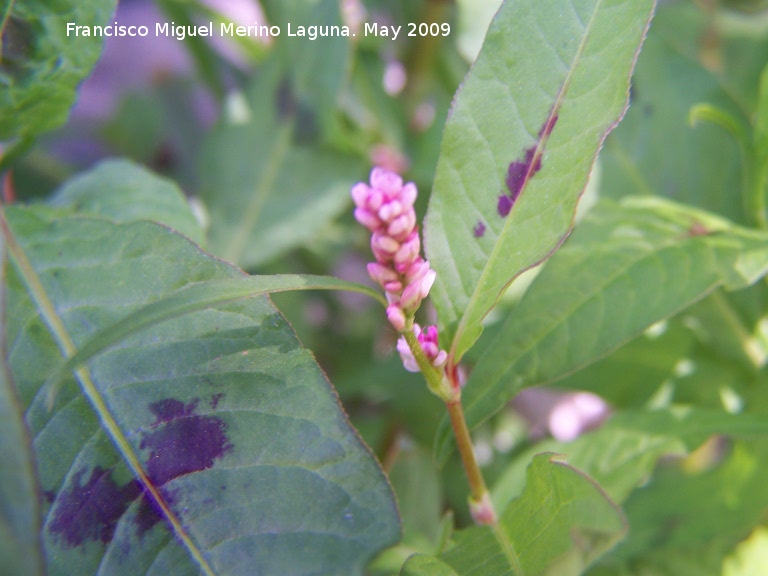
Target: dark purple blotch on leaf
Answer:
pixel 504 205
pixel 520 171
pixel 181 442
pixel 90 510
pixel 479 229
pixel 215 399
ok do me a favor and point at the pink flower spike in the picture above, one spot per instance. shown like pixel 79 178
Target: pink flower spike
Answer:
pixel 396 317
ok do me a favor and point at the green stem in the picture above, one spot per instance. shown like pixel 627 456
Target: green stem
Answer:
pixel 89 390
pixel 477 486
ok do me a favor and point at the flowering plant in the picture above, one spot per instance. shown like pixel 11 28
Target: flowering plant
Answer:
pixel 198 376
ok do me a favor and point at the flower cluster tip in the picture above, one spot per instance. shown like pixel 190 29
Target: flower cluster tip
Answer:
pixel 385 207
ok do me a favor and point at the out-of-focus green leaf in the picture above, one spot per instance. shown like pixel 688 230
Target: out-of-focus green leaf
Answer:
pixel 683 509
pixel 41 64
pixel 226 415
pixel 631 375
pixel 267 189
pixel 123 191
pixel 20 549
pixel 314 69
pixel 550 82
pixel 654 150
pixel 560 524
pixel 750 557
pixel 627 267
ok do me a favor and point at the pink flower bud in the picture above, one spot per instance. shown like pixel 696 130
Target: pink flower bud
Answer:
pixel 426 283
pixel 393 287
pixel 402 226
pixel 408 195
pixel 409 362
pixel 384 243
pixel 409 250
pixel 416 271
pixel 388 182
pixel 375 200
pixel 440 359
pixel 381 274
pixel 360 193
pixel 367 219
pixel 390 210
pixel 411 297
pixel 396 317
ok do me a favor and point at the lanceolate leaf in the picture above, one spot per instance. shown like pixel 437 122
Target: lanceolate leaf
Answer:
pixel 560 524
pixel 627 267
pixel 550 82
pixel 230 421
pixel 41 64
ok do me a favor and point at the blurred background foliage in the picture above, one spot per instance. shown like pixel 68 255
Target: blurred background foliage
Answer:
pixel 266 142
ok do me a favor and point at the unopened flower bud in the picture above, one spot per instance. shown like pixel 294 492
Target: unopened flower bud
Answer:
pixel 396 317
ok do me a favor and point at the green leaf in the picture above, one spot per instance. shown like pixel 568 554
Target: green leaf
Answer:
pixel 560 524
pixel 267 189
pixel 751 556
pixel 20 548
pixel 655 151
pixel 123 191
pixel 550 82
pixel 626 267
pixel 220 412
pixel 41 65
pixel 682 508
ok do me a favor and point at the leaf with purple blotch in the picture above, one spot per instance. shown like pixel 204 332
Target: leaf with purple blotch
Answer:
pixel 210 443
pixel 557 74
